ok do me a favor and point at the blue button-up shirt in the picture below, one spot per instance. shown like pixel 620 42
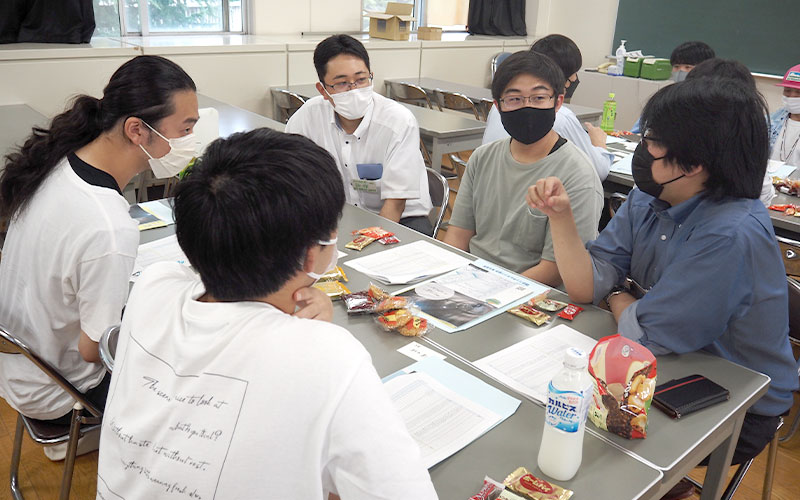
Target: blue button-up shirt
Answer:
pixel 716 282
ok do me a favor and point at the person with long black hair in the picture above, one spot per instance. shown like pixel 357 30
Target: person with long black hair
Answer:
pixel 71 244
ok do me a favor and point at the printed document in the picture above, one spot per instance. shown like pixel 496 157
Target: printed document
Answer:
pixel 408 263
pixel 161 250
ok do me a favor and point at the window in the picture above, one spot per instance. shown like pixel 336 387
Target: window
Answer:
pixel 148 17
pixel 450 15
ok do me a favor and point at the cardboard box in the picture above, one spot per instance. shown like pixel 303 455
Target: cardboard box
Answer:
pixel 429 33
pixel 394 24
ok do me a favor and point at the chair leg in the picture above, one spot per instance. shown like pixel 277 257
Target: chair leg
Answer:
pixel 16 492
pixel 72 450
pixel 736 480
pixel 769 473
pixel 792 430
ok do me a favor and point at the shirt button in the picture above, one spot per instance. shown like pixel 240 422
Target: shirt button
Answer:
pixel 663 237
pixel 347 142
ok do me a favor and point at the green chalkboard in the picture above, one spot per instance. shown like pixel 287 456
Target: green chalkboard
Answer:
pixel 762 34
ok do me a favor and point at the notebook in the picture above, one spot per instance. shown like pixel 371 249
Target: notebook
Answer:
pixel 685 395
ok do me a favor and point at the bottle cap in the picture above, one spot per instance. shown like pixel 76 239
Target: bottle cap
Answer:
pixel 575 358
pixel 611 95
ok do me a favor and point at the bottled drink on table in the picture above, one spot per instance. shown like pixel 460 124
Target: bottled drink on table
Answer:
pixel 609 114
pixel 568 399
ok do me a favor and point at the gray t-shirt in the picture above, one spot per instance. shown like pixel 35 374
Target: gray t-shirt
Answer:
pixel 491 202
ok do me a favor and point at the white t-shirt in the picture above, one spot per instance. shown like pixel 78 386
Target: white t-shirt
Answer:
pixel 568 127
pixel 388 134
pixel 787 146
pixel 240 400
pixel 66 263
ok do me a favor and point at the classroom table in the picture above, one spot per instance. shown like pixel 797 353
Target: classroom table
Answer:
pixel 673 447
pixel 233 119
pixel 16 122
pixel 482 96
pixel 785 225
pixel 445 132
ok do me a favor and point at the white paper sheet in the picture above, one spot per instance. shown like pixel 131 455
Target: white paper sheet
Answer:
pixel 417 351
pixel 408 263
pixel 161 250
pixel 529 365
pixel 780 169
pixel 623 165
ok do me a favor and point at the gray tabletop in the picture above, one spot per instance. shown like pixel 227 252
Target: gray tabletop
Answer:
pixel 16 122
pixel 233 119
pixel 445 125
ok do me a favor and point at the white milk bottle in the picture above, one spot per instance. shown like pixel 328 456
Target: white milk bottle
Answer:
pixel 568 399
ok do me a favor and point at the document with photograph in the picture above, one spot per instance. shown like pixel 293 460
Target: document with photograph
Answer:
pixel 470 294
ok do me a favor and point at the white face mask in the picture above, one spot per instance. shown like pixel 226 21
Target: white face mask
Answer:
pixel 354 103
pixel 792 104
pixel 334 259
pixel 181 152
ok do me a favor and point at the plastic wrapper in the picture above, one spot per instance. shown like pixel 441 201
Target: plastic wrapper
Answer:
pixel 415 327
pixel 335 274
pixel 359 303
pixel 531 487
pixel 390 303
pixel 332 289
pixel 389 240
pixel 570 312
pixel 490 490
pixel 392 320
pixel 375 232
pixel 359 242
pixel 625 379
pixel 377 293
pixel 525 311
pixel 548 305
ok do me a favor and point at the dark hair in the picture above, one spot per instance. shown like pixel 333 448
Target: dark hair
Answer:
pixel 562 50
pixel 253 204
pixel 527 63
pixel 142 87
pixel 723 68
pixel 691 53
pixel 717 123
pixel 333 46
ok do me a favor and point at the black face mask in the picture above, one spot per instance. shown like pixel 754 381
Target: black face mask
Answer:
pixel 527 125
pixel 571 89
pixel 642 169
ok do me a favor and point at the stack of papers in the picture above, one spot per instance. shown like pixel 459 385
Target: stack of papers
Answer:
pixel 623 154
pixel 528 366
pixel 151 214
pixel 445 408
pixel 163 250
pixel 780 169
pixel 408 263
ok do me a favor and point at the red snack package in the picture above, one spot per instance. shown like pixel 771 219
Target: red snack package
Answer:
pixel 359 303
pixel 415 327
pixel 393 320
pixel 390 303
pixel 490 491
pixel 570 312
pixel 389 240
pixel 790 210
pixel 779 208
pixel 377 293
pixel 625 379
pixel 375 232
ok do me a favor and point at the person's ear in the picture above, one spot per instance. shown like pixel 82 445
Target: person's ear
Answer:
pixel 311 255
pixel 135 130
pixel 324 93
pixel 559 101
pixel 695 170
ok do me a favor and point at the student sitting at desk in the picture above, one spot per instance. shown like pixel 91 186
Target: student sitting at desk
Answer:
pixel 696 242
pixel 218 390
pixel 71 244
pixel 374 140
pixel 566 54
pixel 490 218
pixel 683 59
pixel 785 123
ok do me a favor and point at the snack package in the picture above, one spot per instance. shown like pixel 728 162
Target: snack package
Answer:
pixel 359 303
pixel 570 312
pixel 529 486
pixel 359 243
pixel 525 311
pixel 490 491
pixel 548 305
pixel 625 378
pixel 335 274
pixel 333 289
pixel 390 303
pixel 375 232
pixel 377 293
pixel 393 320
pixel 415 327
pixel 389 240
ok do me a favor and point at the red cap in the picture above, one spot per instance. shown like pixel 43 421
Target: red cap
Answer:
pixel 792 78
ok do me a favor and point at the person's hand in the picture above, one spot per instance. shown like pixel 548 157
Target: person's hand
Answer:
pixel 549 197
pixel 313 303
pixel 596 135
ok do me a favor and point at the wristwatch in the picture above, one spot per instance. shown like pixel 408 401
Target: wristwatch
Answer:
pixel 614 291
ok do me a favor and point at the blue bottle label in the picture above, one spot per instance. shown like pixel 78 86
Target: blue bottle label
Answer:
pixel 566 409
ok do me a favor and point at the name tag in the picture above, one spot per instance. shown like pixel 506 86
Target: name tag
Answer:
pixel 364 185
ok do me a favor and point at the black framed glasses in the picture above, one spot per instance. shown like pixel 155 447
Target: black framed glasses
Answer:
pixel 356 84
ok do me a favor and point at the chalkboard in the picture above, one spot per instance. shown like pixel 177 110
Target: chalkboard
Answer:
pixel 762 34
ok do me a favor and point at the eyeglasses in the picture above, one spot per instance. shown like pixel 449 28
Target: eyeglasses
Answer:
pixel 515 102
pixel 345 86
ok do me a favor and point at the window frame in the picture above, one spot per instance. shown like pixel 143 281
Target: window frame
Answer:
pixel 144 21
pixel 420 14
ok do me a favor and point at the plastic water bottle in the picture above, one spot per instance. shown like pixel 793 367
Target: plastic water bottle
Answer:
pixel 609 114
pixel 620 54
pixel 568 399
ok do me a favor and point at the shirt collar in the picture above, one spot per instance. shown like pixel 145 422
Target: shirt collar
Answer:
pixel 680 212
